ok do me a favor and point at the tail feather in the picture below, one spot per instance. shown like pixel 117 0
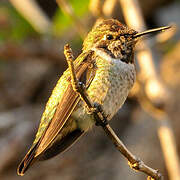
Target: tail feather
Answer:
pixel 62 144
pixel 27 161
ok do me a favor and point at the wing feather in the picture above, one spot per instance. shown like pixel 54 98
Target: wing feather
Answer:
pixel 56 113
pixel 58 109
pixel 65 108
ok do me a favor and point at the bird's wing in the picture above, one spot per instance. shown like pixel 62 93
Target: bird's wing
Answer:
pixel 66 105
pixel 58 109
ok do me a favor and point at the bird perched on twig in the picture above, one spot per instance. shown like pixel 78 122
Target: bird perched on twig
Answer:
pixel 107 70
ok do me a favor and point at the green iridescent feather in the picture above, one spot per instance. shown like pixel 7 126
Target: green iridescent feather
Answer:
pixel 55 98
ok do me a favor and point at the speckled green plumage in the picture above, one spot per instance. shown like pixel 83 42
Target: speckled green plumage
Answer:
pixel 110 78
pixel 54 99
pixel 98 32
pixel 61 87
pixel 106 67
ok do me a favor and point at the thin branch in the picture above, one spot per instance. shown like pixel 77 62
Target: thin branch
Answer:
pixel 134 162
pixel 76 86
pixel 168 143
pixel 155 91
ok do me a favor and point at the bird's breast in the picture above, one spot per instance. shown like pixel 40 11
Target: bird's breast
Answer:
pixel 111 84
pixel 109 88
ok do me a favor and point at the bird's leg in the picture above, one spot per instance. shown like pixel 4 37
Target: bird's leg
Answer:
pixel 99 111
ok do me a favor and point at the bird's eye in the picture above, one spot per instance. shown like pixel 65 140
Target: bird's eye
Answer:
pixel 109 37
pixel 126 35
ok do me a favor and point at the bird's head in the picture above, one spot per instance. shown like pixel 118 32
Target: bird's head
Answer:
pixel 115 39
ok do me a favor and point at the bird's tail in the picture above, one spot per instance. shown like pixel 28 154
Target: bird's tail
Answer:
pixel 27 161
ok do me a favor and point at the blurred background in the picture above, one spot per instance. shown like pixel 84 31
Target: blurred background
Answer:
pixel 32 36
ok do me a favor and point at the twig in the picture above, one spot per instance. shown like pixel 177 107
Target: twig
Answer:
pixel 34 15
pixel 134 162
pixel 75 84
pixel 154 89
pixel 168 145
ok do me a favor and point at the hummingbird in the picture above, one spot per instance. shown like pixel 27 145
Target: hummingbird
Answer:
pixel 106 68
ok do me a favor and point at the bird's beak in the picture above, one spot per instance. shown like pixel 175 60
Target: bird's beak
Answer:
pixel 156 30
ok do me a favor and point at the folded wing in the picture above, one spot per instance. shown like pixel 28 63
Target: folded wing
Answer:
pixel 51 127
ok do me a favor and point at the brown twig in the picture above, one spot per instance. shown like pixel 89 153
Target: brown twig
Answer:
pixel 134 162
pixel 168 145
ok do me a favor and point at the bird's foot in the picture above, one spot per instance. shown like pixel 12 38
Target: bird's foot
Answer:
pixel 101 120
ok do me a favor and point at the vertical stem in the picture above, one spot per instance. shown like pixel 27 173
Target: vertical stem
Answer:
pixel 168 145
pixel 132 14
pixel 134 19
